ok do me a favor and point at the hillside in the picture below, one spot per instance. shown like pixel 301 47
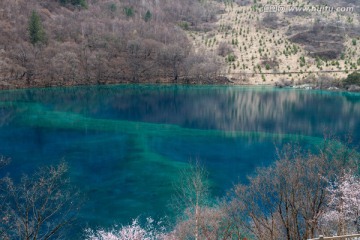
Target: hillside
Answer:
pixel 100 41
pixel 302 46
pixel 97 42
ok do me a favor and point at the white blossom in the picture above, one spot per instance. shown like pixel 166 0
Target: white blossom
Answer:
pixel 343 209
pixel 131 232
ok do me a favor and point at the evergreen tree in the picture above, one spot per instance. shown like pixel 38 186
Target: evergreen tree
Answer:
pixel 129 12
pixel 81 3
pixel 147 16
pixel 36 30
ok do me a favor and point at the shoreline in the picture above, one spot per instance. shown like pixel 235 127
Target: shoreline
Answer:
pixel 220 80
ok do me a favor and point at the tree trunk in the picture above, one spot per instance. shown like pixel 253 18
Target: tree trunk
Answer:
pixel 197 218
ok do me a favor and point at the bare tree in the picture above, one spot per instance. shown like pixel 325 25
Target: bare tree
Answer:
pixel 192 195
pixel 25 59
pixel 38 207
pixel 172 57
pixel 135 58
pixel 201 217
pixel 66 66
pixel 200 67
pixel 141 57
pixel 286 200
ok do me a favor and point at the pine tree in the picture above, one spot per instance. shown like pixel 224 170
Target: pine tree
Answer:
pixel 129 12
pixel 81 3
pixel 36 30
pixel 147 16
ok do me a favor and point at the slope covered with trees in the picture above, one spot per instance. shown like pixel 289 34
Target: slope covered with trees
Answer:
pixel 71 42
pixel 264 42
pixel 65 42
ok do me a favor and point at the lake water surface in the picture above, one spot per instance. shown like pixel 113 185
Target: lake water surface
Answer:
pixel 126 144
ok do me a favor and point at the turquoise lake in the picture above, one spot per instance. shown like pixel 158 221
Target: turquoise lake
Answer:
pixel 126 144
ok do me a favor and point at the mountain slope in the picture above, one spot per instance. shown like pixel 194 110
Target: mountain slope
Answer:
pixel 97 42
pixel 265 47
pixel 103 42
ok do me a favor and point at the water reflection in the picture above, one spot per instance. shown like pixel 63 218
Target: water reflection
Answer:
pixel 224 108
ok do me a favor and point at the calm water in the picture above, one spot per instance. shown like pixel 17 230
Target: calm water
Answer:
pixel 126 144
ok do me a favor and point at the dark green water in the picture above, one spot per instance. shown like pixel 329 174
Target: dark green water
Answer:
pixel 126 144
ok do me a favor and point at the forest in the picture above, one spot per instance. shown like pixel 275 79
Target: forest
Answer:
pixel 49 43
pixel 79 42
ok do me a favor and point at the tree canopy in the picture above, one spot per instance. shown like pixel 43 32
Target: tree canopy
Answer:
pixel 81 3
pixel 352 79
pixel 36 30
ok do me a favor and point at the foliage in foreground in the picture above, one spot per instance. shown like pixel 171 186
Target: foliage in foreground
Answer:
pixel 343 209
pixel 300 196
pixel 131 232
pixel 39 206
pixel 287 200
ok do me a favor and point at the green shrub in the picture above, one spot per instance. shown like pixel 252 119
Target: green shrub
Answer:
pixel 352 79
pixel 231 58
pixel 112 7
pixel 184 25
pixel 129 12
pixel 81 3
pixel 147 16
pixel 302 61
